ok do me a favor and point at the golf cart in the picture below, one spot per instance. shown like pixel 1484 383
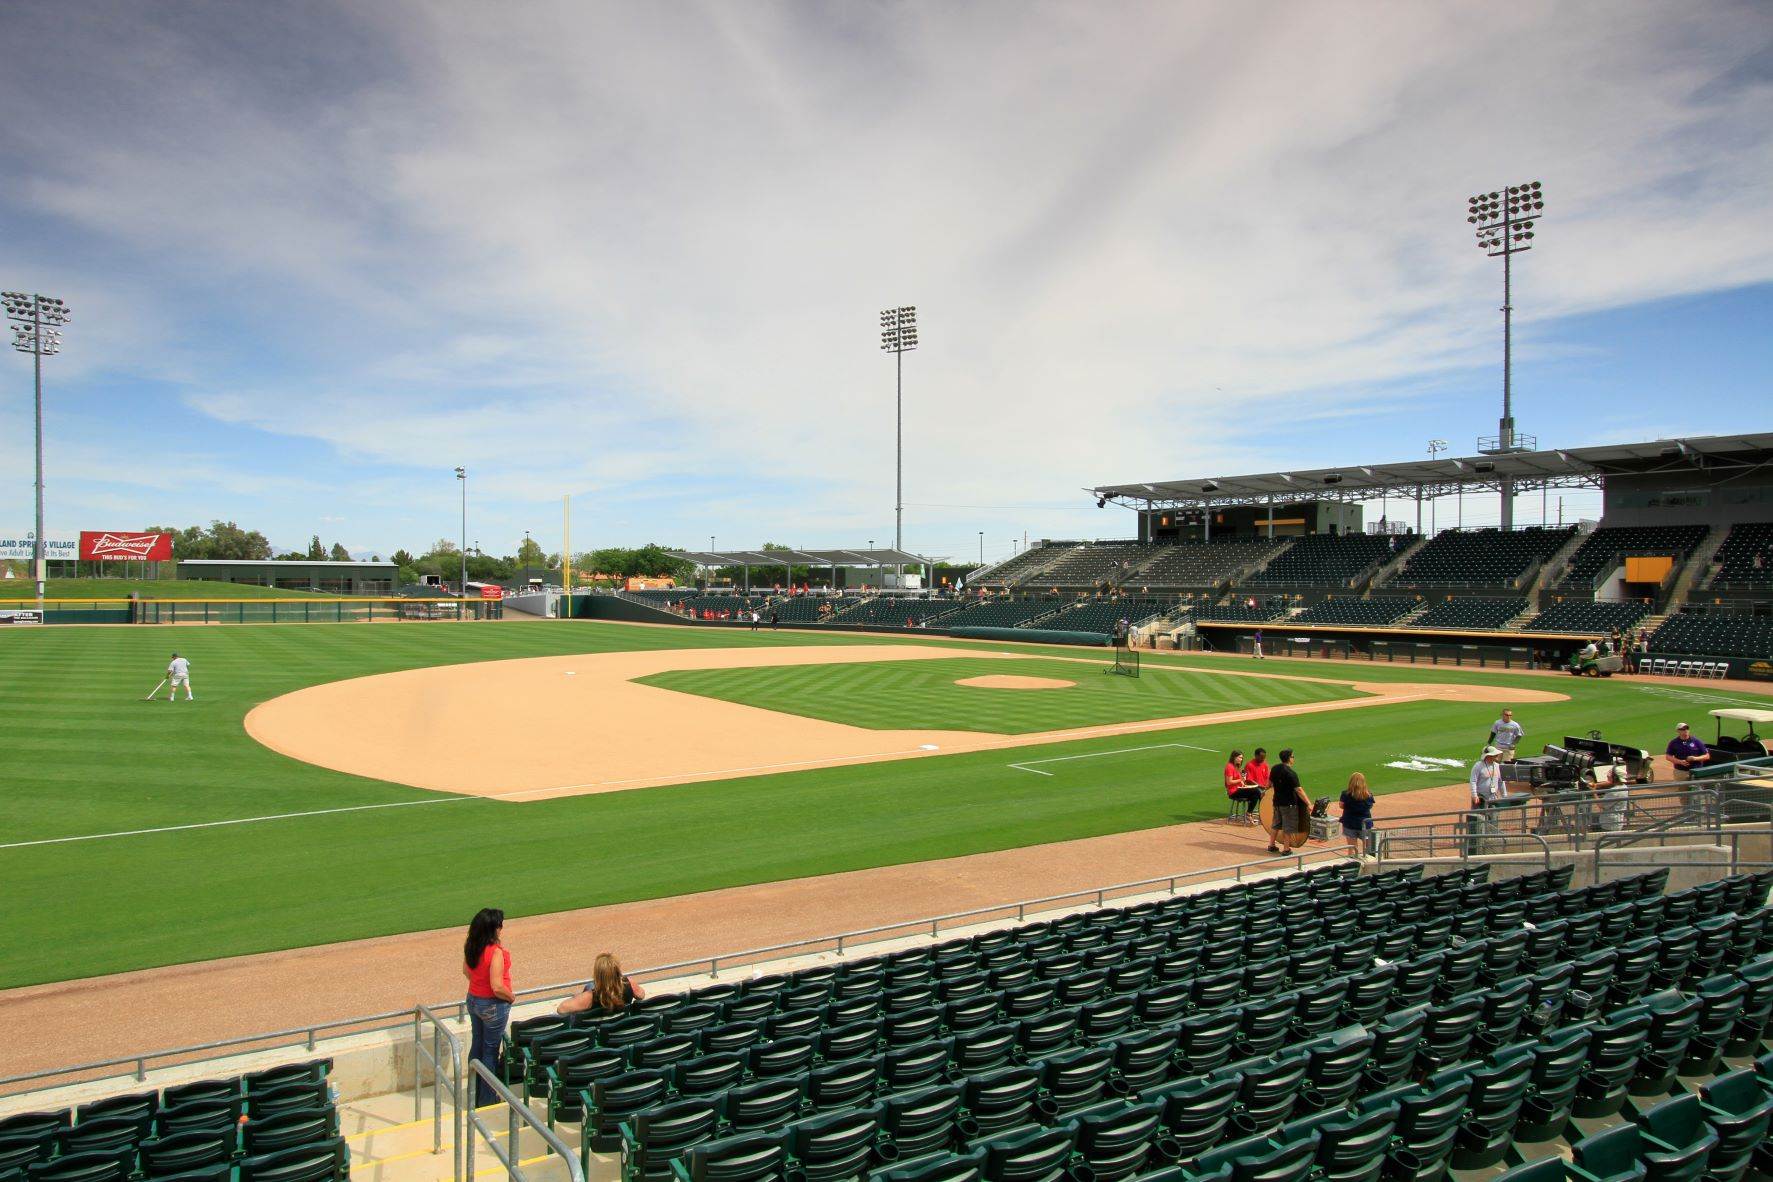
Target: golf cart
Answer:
pixel 1594 663
pixel 1728 749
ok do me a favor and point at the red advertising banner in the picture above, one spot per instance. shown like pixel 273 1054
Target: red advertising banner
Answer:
pixel 110 546
pixel 491 591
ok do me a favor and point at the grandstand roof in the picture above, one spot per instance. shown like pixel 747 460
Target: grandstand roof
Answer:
pixel 1707 455
pixel 858 557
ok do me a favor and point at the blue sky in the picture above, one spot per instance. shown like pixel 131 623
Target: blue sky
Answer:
pixel 321 254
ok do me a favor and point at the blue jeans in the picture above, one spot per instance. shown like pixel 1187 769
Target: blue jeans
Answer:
pixel 487 1016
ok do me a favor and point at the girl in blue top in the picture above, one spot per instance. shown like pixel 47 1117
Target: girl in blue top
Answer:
pixel 1357 813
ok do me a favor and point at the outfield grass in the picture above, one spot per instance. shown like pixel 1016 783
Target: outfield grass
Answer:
pixel 86 756
pixel 147 588
pixel 923 695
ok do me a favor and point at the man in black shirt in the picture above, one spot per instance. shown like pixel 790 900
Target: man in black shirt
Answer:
pixel 1291 805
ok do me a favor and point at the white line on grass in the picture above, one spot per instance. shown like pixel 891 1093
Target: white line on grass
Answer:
pixel 1025 766
pixel 356 808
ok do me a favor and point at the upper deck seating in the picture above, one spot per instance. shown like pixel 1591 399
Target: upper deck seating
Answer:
pixel 1325 560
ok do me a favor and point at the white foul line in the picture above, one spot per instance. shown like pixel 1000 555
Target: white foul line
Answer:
pixel 1025 765
pixel 356 808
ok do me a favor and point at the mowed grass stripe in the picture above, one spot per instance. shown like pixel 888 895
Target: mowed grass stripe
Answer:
pixel 102 760
pixel 924 695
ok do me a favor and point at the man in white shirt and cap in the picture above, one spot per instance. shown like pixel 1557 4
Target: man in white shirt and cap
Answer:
pixel 178 673
pixel 1505 734
pixel 1487 790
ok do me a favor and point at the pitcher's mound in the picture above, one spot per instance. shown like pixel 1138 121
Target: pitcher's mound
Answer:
pixel 1011 681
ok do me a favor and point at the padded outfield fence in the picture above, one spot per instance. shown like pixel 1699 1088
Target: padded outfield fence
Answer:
pixel 316 609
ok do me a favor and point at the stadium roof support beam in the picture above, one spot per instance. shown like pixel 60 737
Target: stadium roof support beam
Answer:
pixel 1716 456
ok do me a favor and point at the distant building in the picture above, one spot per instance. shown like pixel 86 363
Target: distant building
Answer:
pixel 337 578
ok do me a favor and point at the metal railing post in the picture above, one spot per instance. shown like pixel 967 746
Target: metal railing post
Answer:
pixel 516 1111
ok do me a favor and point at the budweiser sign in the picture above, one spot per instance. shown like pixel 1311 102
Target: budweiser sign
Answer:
pixel 106 546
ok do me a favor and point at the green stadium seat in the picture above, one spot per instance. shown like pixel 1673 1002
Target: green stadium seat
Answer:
pixel 186 1151
pixel 995 1101
pixel 1546 1169
pixel 662 1051
pixel 1118 1143
pixel 707 1075
pixel 1558 1060
pixel 781 1057
pixel 663 1134
pixel 1077 1079
pixel 1498 1091
pixel 616 1098
pixel 1351 1146
pixel 92 1166
pixel 1613 1051
pixel 834 1086
pixel 289 1130
pixel 107 1135
pixel 200 1116
pixel 1333 1071
pixel 917 1065
pixel 746 1158
pixel 762 1105
pixel 1196 1114
pixel 1262 1159
pixel 835 1147
pixel 569 1079
pixel 1040 1155
pixel 1427 1123
pixel 1268 1091
pixel 1677 1140
pixel 1739 1108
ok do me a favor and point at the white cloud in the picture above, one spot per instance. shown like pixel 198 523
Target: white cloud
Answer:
pixel 590 246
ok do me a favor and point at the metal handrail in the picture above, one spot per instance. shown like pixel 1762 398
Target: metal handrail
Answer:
pixel 456 1010
pixel 1463 840
pixel 440 1034
pixel 516 1110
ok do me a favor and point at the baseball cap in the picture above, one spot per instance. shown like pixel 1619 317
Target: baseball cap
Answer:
pixel 1681 726
pixel 1492 751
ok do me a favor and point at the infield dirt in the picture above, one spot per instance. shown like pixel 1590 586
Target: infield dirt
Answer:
pixel 545 727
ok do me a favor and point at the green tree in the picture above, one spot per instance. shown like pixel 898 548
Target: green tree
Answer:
pixel 402 558
pixel 339 553
pixel 316 552
pixel 530 553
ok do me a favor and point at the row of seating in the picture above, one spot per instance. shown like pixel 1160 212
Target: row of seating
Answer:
pixel 1087 566
pixel 1013 571
pixel 998 1116
pixel 1496 558
pixel 1736 556
pixel 809 609
pixel 894 611
pixel 1471 612
pixel 276 1125
pixel 1368 612
pixel 1205 564
pixel 1102 615
pixel 1003 613
pixel 1593 618
pixel 1714 635
pixel 976 1043
pixel 1326 560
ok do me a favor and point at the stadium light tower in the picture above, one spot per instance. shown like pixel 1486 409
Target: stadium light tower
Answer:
pixel 1503 221
pixel 36 329
pixel 462 475
pixel 898 336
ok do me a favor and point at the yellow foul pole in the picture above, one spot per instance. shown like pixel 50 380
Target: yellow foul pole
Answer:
pixel 566 556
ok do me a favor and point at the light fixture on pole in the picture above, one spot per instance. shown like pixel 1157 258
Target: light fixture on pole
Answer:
pixel 37 330
pixel 1435 448
pixel 981 547
pixel 1503 222
pixel 898 336
pixel 462 476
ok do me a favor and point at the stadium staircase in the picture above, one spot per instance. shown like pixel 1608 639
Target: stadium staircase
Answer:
pixel 1384 574
pixel 1551 570
pixel 1698 564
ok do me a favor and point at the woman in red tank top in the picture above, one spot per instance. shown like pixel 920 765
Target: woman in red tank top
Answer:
pixel 487 966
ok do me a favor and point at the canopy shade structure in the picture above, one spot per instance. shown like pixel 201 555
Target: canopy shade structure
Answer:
pixel 858 557
pixel 1708 457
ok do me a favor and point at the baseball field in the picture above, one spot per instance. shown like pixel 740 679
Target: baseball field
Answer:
pixel 335 782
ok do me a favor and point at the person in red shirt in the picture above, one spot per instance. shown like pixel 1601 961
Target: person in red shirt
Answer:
pixel 1238 788
pixel 487 966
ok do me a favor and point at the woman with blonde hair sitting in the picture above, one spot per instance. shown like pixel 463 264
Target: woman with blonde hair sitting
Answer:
pixel 608 991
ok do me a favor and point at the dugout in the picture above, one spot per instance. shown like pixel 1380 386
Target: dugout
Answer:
pixel 332 578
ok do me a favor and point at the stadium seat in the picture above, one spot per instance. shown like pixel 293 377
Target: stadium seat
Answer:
pixel 834 1147
pixel 661 1135
pixel 748 1158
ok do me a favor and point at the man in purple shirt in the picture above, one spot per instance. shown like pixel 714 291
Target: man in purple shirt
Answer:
pixel 1685 753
